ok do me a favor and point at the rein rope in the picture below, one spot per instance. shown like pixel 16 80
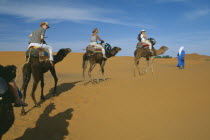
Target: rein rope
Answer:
pixel 79 50
pixel 27 61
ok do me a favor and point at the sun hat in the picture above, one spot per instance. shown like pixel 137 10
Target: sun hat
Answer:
pixel 44 23
pixel 143 31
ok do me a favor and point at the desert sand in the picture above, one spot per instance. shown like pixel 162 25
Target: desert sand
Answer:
pixel 169 104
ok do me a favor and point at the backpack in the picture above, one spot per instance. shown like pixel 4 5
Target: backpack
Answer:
pixel 139 37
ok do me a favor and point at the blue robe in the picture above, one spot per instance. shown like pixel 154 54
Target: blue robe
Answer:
pixel 181 59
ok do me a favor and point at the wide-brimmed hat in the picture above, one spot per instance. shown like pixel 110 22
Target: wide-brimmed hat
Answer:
pixel 45 23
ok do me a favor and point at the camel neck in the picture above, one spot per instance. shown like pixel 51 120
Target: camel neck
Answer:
pixel 57 59
pixel 112 53
pixel 160 51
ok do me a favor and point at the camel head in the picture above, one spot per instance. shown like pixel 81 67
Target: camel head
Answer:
pixel 114 51
pixel 61 54
pixel 164 48
pixel 161 50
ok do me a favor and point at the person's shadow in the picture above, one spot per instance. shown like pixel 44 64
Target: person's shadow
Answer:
pixel 49 128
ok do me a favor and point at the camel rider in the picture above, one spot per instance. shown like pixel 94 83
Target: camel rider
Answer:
pixel 143 38
pixel 94 41
pixel 37 39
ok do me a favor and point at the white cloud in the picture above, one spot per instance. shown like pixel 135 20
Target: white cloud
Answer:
pixel 197 14
pixel 56 13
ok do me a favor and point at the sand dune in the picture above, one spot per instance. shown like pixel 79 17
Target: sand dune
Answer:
pixel 170 104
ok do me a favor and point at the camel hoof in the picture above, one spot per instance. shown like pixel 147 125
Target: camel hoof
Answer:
pixel 23 113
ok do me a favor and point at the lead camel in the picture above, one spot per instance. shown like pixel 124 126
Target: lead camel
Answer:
pixel 37 69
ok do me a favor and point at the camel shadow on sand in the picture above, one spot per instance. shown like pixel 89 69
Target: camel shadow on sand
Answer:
pixel 95 81
pixel 60 89
pixel 49 128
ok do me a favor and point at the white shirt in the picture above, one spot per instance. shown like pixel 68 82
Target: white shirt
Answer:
pixel 142 38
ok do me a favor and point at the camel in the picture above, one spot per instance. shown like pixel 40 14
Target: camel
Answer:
pixel 142 52
pixel 37 69
pixel 7 116
pixel 95 58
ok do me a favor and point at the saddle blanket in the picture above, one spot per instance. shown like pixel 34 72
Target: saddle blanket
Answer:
pixel 94 49
pixel 142 44
pixel 39 52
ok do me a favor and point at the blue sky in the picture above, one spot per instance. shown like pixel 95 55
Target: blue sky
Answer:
pixel 172 23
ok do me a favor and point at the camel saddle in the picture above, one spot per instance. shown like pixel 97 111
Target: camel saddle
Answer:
pixel 142 45
pixel 38 52
pixel 93 49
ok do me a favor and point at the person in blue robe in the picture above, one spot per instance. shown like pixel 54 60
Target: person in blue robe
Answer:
pixel 181 57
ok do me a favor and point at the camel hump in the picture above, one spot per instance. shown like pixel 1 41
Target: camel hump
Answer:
pixel 3 86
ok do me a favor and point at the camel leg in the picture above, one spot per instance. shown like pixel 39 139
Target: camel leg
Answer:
pixel 33 92
pixel 99 75
pixel 26 78
pixel 136 63
pixel 36 72
pixel 53 72
pixel 92 65
pixel 42 87
pixel 102 70
pixel 84 69
pixel 148 65
pixel 151 63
